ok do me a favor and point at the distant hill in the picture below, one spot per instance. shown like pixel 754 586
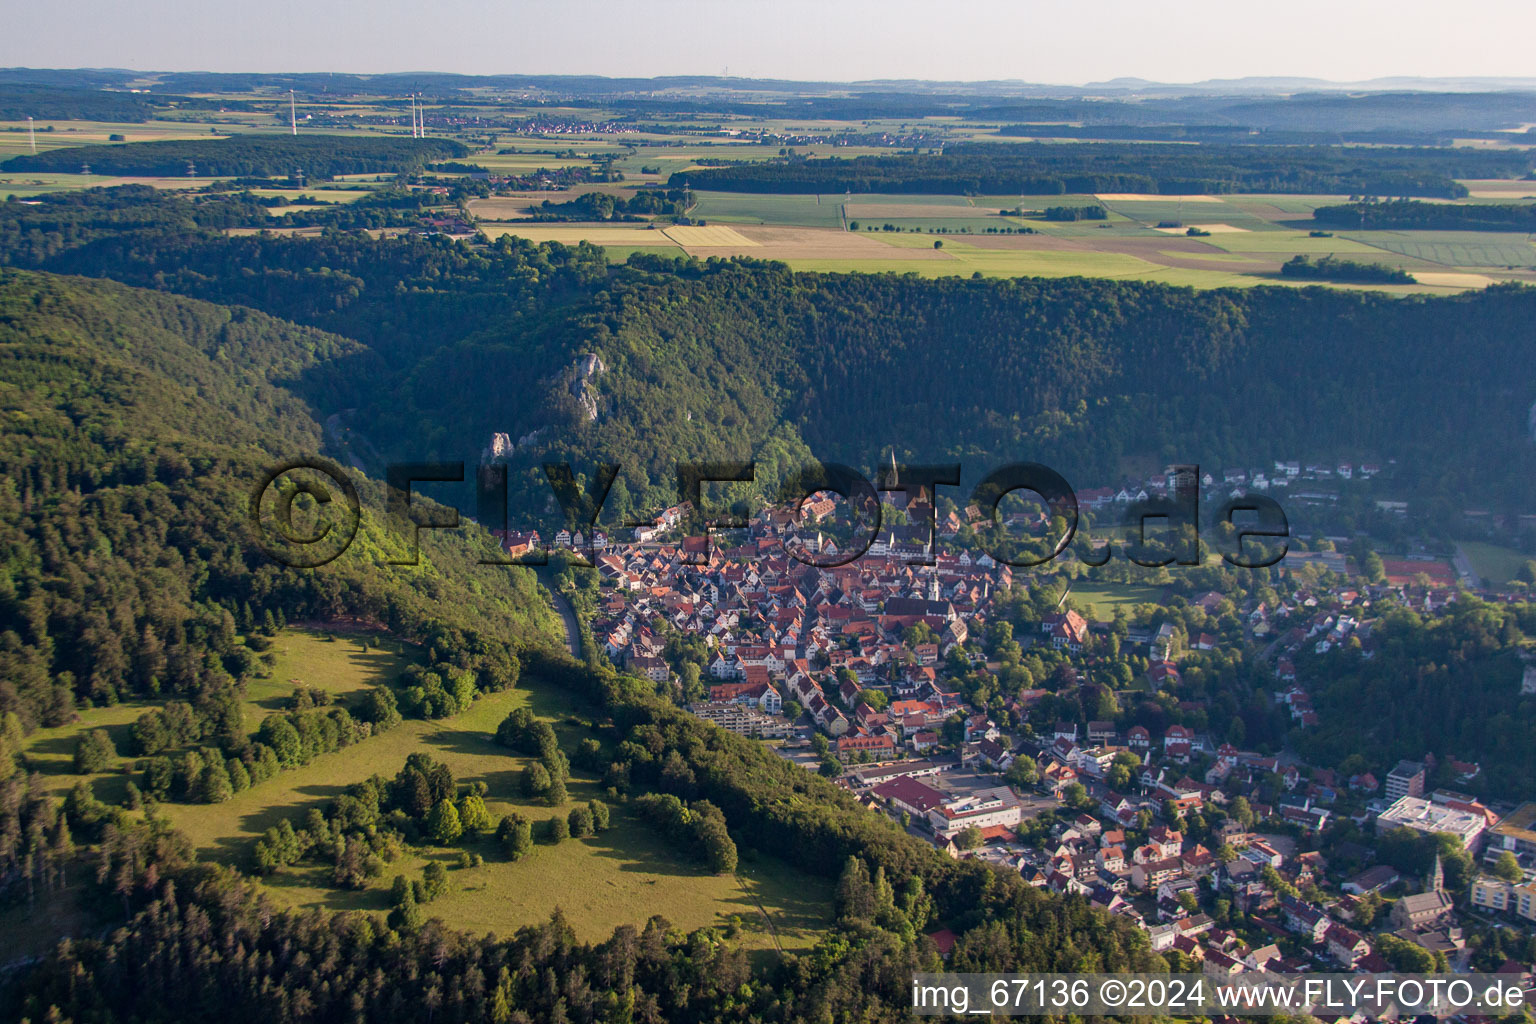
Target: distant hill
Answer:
pixel 137 424
pixel 742 360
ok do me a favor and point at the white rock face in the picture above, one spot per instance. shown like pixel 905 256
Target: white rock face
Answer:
pixel 500 447
pixel 585 369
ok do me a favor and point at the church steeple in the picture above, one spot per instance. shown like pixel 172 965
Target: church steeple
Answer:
pixel 1436 881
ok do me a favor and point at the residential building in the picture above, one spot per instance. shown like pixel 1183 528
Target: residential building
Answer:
pixel 1428 817
pixel 1407 779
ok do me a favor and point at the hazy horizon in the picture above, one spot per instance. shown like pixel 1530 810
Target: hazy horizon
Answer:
pixel 1045 42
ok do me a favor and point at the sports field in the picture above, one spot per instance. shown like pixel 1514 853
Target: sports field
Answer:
pixel 1101 599
pixel 1495 564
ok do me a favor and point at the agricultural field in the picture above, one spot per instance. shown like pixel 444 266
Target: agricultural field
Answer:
pixel 707 237
pixel 29 184
pixel 514 207
pixel 1500 189
pixel 568 234
pixel 1457 248
pixel 1249 236
pixel 790 210
pixel 62 134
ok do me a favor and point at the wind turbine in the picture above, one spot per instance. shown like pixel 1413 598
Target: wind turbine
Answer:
pixel 293 114
pixel 32 134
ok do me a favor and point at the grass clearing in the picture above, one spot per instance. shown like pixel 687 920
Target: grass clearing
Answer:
pixel 306 657
pixel 1497 565
pixel 340 664
pixel 621 876
pixel 1101 599
pixel 622 253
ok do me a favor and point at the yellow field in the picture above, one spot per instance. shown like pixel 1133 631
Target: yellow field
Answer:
pixel 501 207
pixel 1498 188
pixel 707 236
pixel 1453 280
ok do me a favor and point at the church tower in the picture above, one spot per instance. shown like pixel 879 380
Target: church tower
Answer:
pixel 1436 880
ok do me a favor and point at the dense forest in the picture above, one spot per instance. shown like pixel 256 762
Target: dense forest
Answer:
pixel 1446 684
pixel 19 102
pixel 606 206
pixel 1407 215
pixel 1055 168
pixel 1332 268
pixel 318 156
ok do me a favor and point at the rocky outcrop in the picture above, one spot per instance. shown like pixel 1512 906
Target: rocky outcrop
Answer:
pixel 500 447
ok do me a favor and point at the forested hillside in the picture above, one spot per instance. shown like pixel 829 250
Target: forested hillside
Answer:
pixel 135 428
pixel 203 941
pixel 137 422
pixel 736 360
pixel 1444 684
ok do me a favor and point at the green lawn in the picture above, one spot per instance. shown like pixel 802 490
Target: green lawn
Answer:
pixel 336 663
pixel 1101 599
pixel 1498 565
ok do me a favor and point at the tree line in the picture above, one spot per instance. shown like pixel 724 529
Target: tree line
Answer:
pixel 1411 215
pixel 1056 168
pixel 267 156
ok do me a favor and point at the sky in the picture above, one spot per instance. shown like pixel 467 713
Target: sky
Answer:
pixel 1069 42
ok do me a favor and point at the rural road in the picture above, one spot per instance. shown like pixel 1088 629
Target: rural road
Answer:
pixel 568 620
